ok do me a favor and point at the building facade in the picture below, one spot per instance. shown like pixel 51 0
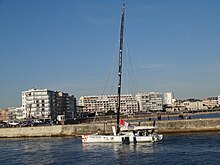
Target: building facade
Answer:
pixel 4 115
pixel 149 101
pixel 15 113
pixel 168 98
pixel 218 100
pixel 66 105
pixel 211 102
pixel 193 105
pixel 47 104
pixel 104 103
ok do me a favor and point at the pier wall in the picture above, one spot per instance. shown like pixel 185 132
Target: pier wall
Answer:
pixel 31 131
pixel 166 126
pixel 193 125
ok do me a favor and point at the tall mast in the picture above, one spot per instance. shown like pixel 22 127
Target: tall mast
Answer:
pixel 120 68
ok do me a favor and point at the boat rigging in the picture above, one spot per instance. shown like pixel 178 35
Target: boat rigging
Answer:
pixel 123 133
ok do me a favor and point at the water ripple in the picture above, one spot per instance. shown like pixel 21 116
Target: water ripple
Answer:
pixel 201 148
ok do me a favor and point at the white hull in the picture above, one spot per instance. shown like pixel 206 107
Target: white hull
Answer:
pixel 125 138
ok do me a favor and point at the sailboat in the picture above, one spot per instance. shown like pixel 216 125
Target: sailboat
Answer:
pixel 124 133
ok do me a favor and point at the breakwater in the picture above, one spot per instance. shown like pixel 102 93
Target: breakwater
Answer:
pixel 168 126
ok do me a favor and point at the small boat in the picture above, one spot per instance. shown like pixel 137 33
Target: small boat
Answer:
pixel 123 133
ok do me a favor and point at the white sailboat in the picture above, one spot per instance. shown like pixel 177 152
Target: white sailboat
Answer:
pixel 124 134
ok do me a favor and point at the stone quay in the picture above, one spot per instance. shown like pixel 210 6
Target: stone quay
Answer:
pixel 164 127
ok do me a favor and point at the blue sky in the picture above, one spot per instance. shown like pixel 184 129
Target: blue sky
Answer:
pixel 69 45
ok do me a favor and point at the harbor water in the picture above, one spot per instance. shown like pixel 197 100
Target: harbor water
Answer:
pixel 196 148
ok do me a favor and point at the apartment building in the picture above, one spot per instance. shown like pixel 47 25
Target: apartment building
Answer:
pixel 175 107
pixel 15 113
pixel 4 115
pixel 193 105
pixel 218 101
pixel 66 105
pixel 47 104
pixel 211 102
pixel 11 113
pixel 104 103
pixel 149 101
pixel 168 98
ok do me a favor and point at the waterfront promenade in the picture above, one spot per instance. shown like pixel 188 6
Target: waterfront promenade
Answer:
pixel 164 126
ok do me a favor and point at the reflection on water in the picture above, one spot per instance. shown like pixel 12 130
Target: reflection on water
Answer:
pixel 123 148
pixel 117 153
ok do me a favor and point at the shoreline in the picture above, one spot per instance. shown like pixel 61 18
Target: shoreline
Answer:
pixel 163 126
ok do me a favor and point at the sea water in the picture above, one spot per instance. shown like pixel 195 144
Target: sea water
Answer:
pixel 193 148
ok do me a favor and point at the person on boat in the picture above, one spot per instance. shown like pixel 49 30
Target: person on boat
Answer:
pixel 140 133
pixel 147 133
pixel 152 131
pixel 98 132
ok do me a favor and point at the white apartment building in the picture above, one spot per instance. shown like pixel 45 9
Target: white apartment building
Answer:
pixel 104 103
pixel 15 113
pixel 39 103
pixel 211 102
pixel 46 104
pixel 193 105
pixel 219 100
pixel 149 101
pixel 168 98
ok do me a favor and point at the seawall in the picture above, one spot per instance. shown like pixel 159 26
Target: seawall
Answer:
pixel 166 126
